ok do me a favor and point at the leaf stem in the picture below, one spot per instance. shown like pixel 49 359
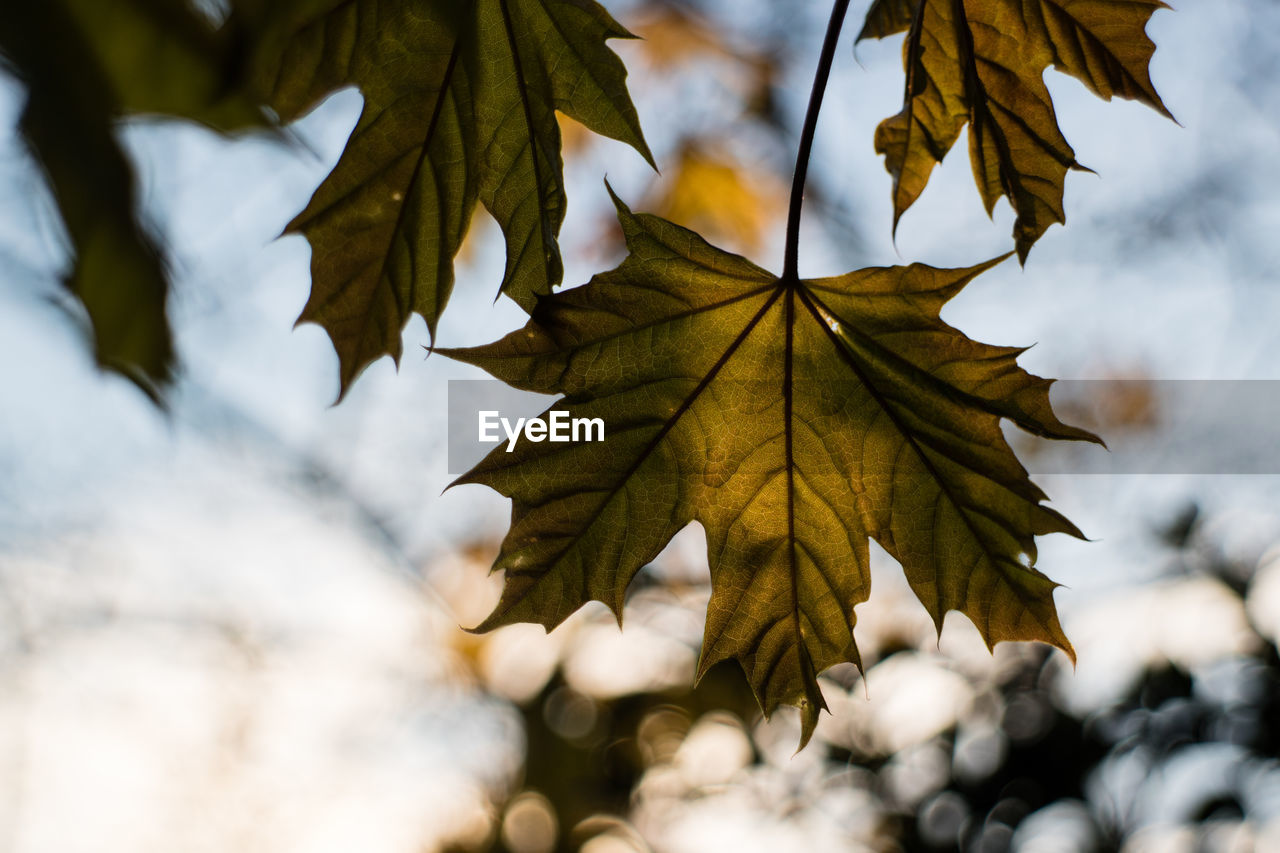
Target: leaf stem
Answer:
pixel 791 258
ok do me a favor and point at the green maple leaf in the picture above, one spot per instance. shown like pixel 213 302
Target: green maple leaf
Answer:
pixel 981 63
pixel 85 65
pixel 794 420
pixel 460 102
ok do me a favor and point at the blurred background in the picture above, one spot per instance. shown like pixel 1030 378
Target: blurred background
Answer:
pixel 235 626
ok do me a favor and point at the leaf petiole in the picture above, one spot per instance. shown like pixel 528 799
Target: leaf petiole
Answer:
pixel 791 257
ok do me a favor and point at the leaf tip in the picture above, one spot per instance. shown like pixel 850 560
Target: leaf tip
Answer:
pixel 618 203
pixel 488 624
pixel 641 145
pixel 893 230
pixel 152 386
pixel 1023 250
pixel 502 616
pixel 344 387
pixel 297 226
pixel 978 269
pixel 460 480
pixel 625 214
pixel 808 725
pixel 938 619
pixel 854 49
pixel 811 708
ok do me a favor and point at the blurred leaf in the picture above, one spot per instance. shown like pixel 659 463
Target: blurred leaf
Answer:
pixel 85 64
pixel 793 420
pixel 460 102
pixel 672 35
pixel 709 192
pixel 982 62
pixel 159 57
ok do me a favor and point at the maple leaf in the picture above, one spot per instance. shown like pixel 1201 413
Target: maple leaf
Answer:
pixel 795 420
pixel 86 64
pixel 982 62
pixel 460 102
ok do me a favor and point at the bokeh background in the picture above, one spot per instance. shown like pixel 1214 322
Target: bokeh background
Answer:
pixel 235 626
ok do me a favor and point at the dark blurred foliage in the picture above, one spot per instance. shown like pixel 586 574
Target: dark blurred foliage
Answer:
pixel 85 66
pixel 588 756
